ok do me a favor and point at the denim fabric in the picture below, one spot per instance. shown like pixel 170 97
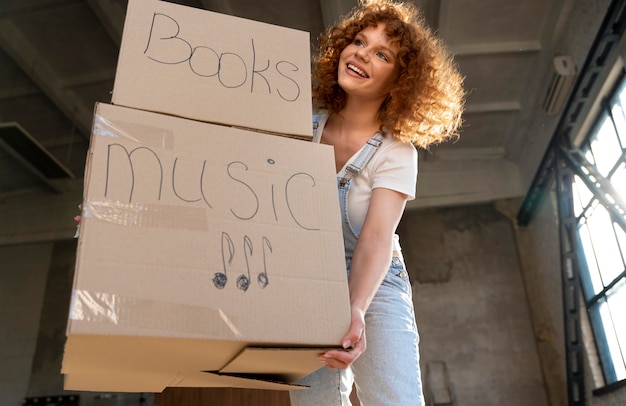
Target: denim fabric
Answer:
pixel 388 373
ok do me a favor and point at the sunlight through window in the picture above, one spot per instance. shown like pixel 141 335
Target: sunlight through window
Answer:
pixel 602 237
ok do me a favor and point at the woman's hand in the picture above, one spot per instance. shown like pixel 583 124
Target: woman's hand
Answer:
pixel 354 344
pixel 77 218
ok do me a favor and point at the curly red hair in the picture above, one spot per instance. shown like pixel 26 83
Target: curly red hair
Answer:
pixel 426 103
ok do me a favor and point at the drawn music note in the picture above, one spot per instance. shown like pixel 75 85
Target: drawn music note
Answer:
pixel 243 281
pixel 228 250
pixel 263 278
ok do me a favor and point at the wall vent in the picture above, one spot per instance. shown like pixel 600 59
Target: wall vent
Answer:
pixel 561 82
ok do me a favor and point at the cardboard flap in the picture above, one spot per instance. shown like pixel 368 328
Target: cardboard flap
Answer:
pixel 119 380
pixel 287 364
pixel 149 381
pixel 216 379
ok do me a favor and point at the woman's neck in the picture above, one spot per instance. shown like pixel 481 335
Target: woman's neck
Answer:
pixel 359 118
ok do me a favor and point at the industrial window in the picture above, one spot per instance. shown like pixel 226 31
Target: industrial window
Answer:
pixel 602 232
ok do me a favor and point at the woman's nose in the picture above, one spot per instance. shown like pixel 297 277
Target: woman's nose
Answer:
pixel 362 53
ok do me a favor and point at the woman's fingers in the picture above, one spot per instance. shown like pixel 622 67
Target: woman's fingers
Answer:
pixel 77 218
pixel 341 359
pixel 353 344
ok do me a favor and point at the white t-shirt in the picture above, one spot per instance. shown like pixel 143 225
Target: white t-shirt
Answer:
pixel 393 166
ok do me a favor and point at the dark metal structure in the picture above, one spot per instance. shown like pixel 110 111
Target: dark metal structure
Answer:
pixel 560 164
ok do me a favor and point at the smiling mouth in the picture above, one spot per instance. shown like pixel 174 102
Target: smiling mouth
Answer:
pixel 357 71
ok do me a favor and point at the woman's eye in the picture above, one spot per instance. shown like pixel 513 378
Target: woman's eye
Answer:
pixel 383 56
pixel 358 42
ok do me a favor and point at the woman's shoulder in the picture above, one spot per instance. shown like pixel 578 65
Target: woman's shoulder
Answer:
pixel 392 143
pixel 396 153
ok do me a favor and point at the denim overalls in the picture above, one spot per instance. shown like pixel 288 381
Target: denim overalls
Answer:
pixel 388 372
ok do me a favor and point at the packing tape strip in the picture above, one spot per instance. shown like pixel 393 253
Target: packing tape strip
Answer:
pixel 111 309
pixel 140 133
pixel 147 215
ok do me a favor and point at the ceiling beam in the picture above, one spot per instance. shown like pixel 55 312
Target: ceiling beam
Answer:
pixel 218 6
pixel 107 75
pixel 495 48
pixel 470 154
pixel 333 10
pixel 430 10
pixel 466 182
pixel 111 15
pixel 493 107
pixel 14 8
pixel 17 91
pixel 33 64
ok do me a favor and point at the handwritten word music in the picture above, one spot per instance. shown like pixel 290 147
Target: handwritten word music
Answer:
pixel 143 168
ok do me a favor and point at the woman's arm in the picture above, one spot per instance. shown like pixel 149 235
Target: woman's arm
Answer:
pixel 370 262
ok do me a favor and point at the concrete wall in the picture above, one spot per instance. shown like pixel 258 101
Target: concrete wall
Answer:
pixel 489 307
pixel 35 288
pixel 538 244
pixel 37 255
pixel 23 273
pixel 471 305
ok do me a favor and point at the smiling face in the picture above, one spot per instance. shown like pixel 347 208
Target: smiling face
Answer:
pixel 368 66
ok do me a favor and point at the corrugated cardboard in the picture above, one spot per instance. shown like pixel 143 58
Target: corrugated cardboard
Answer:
pixel 216 68
pixel 202 247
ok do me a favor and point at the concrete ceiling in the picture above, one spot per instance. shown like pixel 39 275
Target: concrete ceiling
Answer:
pixel 58 57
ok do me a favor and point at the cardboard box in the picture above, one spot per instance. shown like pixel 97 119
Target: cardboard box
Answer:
pixel 215 68
pixel 207 256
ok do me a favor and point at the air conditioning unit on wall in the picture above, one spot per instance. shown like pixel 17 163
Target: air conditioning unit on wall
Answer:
pixel 561 83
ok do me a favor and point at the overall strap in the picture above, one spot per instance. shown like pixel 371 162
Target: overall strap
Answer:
pixel 316 124
pixel 319 121
pixel 365 154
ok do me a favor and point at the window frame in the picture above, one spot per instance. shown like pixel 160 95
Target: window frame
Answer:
pixel 594 299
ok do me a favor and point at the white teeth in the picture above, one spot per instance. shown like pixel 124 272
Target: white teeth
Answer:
pixel 357 70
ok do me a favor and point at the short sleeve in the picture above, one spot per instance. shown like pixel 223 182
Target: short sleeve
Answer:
pixel 395 167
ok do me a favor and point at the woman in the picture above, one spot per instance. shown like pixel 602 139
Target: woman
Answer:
pixel 380 70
